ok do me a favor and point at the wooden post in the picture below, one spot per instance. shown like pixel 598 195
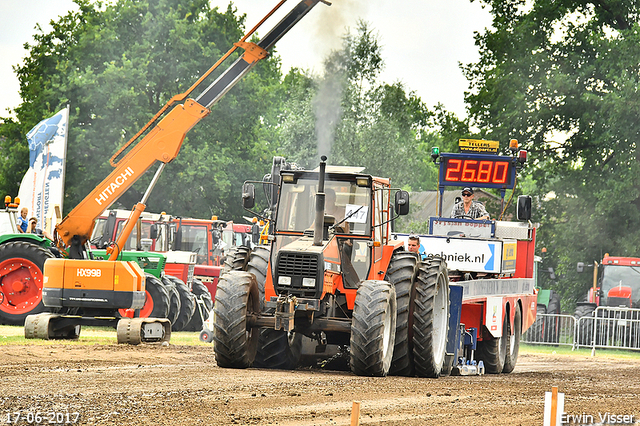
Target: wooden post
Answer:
pixel 554 405
pixel 355 414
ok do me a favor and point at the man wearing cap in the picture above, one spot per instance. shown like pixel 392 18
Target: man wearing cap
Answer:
pixel 469 209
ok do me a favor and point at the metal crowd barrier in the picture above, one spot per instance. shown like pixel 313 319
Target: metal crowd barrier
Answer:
pixel 551 329
pixel 609 328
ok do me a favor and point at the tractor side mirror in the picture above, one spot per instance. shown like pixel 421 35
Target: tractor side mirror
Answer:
pixel 402 203
pixel 524 207
pixel 215 236
pixel 580 267
pixel 248 196
pixel 153 232
pixel 552 274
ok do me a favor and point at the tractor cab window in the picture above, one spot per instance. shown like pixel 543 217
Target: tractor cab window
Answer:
pixel 344 201
pixel 133 238
pixel 619 283
pixel 194 239
pixel 159 244
pixel 98 229
pixel 232 238
pixel 229 238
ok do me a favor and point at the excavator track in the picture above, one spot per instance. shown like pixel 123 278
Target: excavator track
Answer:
pixel 48 326
pixel 134 331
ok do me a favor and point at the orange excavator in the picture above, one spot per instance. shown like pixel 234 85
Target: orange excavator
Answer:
pixel 89 292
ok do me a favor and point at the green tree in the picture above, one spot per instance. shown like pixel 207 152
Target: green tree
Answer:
pixel 561 76
pixel 14 155
pixel 117 65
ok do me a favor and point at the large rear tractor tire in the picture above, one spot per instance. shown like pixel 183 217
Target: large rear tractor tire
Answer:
pixel 174 299
pixel 21 266
pixel 552 326
pixel 373 328
pixel 204 304
pixel 187 304
pixel 554 303
pixel 537 328
pixel 585 326
pixel 431 319
pixel 513 347
pixel 401 274
pixel 258 265
pixel 237 297
pixel 493 351
pixel 236 259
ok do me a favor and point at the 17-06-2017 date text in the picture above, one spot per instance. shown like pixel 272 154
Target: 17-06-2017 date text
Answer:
pixel 40 418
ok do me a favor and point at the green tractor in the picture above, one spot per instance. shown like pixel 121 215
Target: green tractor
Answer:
pixel 546 328
pixel 22 257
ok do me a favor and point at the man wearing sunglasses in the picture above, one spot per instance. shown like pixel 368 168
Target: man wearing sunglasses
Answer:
pixel 469 209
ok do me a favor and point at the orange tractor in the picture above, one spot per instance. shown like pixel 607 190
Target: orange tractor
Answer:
pixel 333 274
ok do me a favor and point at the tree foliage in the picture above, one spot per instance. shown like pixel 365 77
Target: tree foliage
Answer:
pixel 116 65
pixel 562 77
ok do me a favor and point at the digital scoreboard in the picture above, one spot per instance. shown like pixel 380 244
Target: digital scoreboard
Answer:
pixel 477 170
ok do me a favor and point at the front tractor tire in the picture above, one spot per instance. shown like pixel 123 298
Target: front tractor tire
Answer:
pixel 258 265
pixel 431 319
pixel 21 266
pixel 585 320
pixel 373 328
pixel 204 305
pixel 237 297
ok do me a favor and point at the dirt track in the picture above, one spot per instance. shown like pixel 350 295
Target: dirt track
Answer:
pixel 180 385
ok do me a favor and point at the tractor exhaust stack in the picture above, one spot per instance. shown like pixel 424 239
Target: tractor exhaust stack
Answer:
pixel 319 221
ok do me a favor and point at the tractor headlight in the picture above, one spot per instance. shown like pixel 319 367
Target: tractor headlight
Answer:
pixel 284 280
pixel 308 282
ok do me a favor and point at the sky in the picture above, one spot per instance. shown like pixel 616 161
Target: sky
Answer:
pixel 423 41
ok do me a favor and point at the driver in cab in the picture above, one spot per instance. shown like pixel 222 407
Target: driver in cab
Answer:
pixel 469 209
pixel 332 209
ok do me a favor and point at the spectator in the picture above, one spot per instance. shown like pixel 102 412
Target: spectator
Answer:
pixel 33 229
pixel 255 232
pixel 22 221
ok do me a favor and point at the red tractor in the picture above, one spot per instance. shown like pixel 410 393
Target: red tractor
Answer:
pixel 615 285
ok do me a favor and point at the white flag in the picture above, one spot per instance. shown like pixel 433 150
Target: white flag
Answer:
pixel 42 187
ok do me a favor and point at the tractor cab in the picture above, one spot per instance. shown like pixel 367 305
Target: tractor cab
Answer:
pixel 620 282
pixel 330 227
